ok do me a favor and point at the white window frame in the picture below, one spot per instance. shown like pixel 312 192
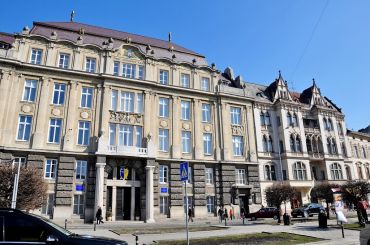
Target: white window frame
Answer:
pixel 57 128
pixel 163 140
pixel 116 65
pixel 90 64
pixel 207 144
pixel 79 204
pixel 25 124
pixel 128 70
pixel 205 84
pixel 84 128
pixel 210 204
pixel 114 100
pixel 185 110
pixel 209 176
pixel 235 113
pixel 127 101
pixel 125 136
pixel 206 113
pixel 81 170
pixel 163 174
pixel 238 145
pixel 64 59
pixel 186 141
pixel 86 97
pixel 164 77
pixel 52 173
pixel 59 94
pixel 138 136
pixel 139 103
pixel 29 90
pixel 163 107
pixel 240 177
pixel 112 134
pixel 36 56
pixel 299 171
pixel 141 72
pixel 185 80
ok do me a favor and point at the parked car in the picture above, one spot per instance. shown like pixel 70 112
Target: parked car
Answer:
pixel 21 228
pixel 307 209
pixel 268 212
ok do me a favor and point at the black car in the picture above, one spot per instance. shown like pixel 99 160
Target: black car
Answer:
pixel 307 209
pixel 17 227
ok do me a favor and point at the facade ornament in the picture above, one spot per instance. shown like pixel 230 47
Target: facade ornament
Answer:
pixel 237 129
pixel 125 117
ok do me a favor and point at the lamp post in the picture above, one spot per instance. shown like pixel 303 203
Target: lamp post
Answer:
pixel 15 186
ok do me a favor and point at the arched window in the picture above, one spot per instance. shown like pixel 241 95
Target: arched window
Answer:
pixel 264 143
pixel 289 118
pixel 320 145
pixel 333 146
pixel 356 151
pixel 330 125
pixel 292 143
pixel 328 144
pixel 343 147
pixel 270 172
pixel 309 144
pixel 267 119
pixel 340 129
pixel 299 171
pixel 262 118
pixel 363 152
pixel 295 120
pixel 359 171
pixel 269 144
pixel 348 173
pixel 367 171
pixel 298 144
pixel 336 171
pixel 325 123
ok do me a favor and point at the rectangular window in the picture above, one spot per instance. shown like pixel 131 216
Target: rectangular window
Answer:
pixel 19 160
pixel 83 133
pixel 90 64
pixel 163 107
pixel 78 204
pixel 163 77
pixel 36 55
pixel 24 128
pixel 125 136
pixel 186 141
pixel 114 98
pixel 47 209
pixel 185 80
pixel 210 204
pixel 127 101
pixel 29 92
pixel 64 61
pixel 163 140
pixel 235 115
pixel 112 134
pixel 238 145
pixel 86 97
pixel 204 84
pixel 185 110
pixel 128 70
pixel 163 205
pixel 206 113
pixel 139 103
pixel 163 174
pixel 59 92
pixel 209 176
pixel 81 169
pixel 55 130
pixel 141 72
pixel 50 168
pixel 138 132
pixel 240 178
pixel 116 68
pixel 207 143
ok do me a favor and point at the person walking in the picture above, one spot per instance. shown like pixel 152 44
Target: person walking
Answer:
pixel 231 214
pixel 220 213
pixel 242 213
pixel 98 215
pixel 190 215
pixel 225 214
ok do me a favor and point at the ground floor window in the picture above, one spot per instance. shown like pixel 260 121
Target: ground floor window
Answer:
pixel 210 204
pixel 78 204
pixel 47 209
pixel 163 204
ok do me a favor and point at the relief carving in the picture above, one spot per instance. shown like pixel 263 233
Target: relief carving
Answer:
pixel 126 117
pixel 237 129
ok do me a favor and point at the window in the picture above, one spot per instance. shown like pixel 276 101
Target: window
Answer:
pixel 83 133
pixel 29 92
pixel 185 110
pixel 112 134
pixel 86 97
pixel 50 168
pixel 81 167
pixel 47 209
pixel 205 84
pixel 90 64
pixel 24 127
pixel 262 119
pixel 141 72
pixel 289 119
pixel 295 120
pixel 163 174
pixel 344 151
pixel 186 141
pixel 163 107
pixel 235 115
pixel 270 172
pixel 116 68
pixel 330 125
pixel 267 119
pixel 163 140
pixel 340 129
pixel 114 98
pixel 356 151
pixel 299 171
pixel 138 132
pixel 295 143
pixel 210 204
pixel 209 176
pixel 240 177
pixel 36 55
pixel 363 152
pixel 19 160
pixel 139 103
pixel 207 143
pixel 55 129
pixel 336 171
pixel 348 173
pixel 332 146
pixel 163 205
pixel 238 145
pixel 127 101
pixel 59 92
pixel 264 144
pixel 78 204
pixel 163 77
pixel 64 61
pixel 185 80
pixel 128 70
pixel 125 135
pixel 206 113
pixel 298 144
pixel 359 170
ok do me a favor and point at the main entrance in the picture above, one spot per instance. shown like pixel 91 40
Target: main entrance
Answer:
pixel 123 206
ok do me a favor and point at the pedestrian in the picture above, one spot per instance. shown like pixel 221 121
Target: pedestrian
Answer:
pixel 190 214
pixel 364 206
pixel 225 214
pixel 220 213
pixel 242 213
pixel 231 214
pixel 98 215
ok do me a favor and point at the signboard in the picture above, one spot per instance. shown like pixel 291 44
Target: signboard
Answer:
pixel 184 171
pixel 79 188
pixel 164 190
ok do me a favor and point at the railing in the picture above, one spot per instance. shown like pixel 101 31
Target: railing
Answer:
pixel 311 130
pixel 127 150
pixel 316 155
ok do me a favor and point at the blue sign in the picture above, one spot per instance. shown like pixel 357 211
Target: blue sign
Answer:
pixel 79 188
pixel 164 190
pixel 184 171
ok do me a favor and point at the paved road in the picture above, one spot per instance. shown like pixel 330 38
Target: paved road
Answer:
pixel 332 235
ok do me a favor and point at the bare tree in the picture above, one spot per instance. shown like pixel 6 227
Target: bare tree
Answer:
pixel 31 187
pixel 323 191
pixel 354 191
pixel 279 193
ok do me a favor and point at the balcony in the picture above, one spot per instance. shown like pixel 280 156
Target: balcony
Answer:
pixel 316 155
pixel 312 130
pixel 130 151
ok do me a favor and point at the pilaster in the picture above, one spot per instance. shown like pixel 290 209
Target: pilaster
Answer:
pixel 69 139
pixel 149 192
pixel 176 127
pixel 198 146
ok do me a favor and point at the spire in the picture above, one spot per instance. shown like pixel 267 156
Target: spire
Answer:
pixel 72 16
pixel 313 82
pixel 169 36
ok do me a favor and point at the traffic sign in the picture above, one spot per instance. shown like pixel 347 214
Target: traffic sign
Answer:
pixel 184 171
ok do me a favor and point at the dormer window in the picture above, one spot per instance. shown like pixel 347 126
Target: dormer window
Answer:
pixel 36 55
pixel 90 64
pixel 163 77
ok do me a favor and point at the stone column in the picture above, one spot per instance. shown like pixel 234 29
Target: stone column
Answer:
pixel 99 183
pixel 226 131
pixel 114 202
pixel 71 123
pixel 41 131
pixel 104 125
pixel 198 142
pixel 149 194
pixel 147 113
pixel 176 128
pixel 132 214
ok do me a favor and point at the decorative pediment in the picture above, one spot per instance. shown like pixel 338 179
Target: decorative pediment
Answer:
pixel 129 53
pixel 125 117
pixel 237 129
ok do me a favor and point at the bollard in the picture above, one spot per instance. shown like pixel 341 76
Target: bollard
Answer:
pixel 65 224
pixel 136 239
pixel 94 226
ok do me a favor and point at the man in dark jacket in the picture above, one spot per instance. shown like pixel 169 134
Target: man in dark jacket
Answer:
pixel 99 218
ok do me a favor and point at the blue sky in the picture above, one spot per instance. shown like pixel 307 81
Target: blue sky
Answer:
pixel 256 38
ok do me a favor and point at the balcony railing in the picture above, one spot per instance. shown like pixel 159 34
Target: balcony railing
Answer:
pixel 127 150
pixel 316 155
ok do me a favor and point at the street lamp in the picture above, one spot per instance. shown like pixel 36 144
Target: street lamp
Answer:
pixel 15 186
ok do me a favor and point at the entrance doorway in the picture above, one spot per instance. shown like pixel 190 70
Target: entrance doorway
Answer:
pixel 123 206
pixel 244 201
